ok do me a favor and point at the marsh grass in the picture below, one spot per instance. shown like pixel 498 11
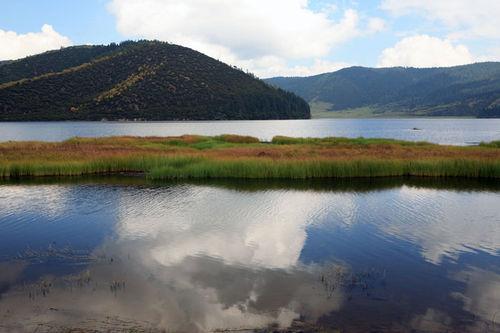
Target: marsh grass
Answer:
pixel 261 168
pixel 231 156
pixel 142 164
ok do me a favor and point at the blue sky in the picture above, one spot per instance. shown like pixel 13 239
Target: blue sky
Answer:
pixel 84 21
pixel 268 37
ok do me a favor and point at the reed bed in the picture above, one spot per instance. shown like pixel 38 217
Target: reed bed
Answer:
pixel 262 168
pixel 232 156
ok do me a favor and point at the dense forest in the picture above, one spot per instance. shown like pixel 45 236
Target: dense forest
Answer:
pixel 146 80
pixel 470 90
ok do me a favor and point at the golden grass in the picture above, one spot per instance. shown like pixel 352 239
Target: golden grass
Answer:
pixel 64 71
pixel 143 72
pixel 227 156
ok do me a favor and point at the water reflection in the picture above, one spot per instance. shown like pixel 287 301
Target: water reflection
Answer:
pixel 124 254
pixel 462 221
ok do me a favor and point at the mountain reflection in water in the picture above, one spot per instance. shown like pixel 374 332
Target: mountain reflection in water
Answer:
pixel 124 255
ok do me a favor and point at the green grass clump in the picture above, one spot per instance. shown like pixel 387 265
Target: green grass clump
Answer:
pixel 223 141
pixel 236 138
pixel 492 144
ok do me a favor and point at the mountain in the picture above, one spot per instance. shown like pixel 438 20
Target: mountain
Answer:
pixel 469 90
pixel 147 80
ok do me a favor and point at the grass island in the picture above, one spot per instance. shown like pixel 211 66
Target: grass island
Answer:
pixel 233 156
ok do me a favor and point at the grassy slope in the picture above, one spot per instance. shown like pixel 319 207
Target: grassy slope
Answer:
pixel 231 156
pixel 470 90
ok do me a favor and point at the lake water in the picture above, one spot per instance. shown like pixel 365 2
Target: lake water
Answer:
pixel 444 131
pixel 113 254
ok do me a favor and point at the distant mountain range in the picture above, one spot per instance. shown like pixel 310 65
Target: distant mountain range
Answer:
pixel 146 80
pixel 470 90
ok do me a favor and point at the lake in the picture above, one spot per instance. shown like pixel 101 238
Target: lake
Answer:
pixel 387 255
pixel 443 131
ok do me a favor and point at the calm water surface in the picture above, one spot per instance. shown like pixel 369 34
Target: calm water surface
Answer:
pixel 384 256
pixel 444 131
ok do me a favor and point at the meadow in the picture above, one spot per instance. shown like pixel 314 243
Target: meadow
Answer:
pixel 232 156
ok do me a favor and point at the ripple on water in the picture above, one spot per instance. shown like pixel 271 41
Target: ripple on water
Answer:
pixel 204 257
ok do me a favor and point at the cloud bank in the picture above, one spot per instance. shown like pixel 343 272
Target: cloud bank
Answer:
pixel 425 51
pixel 464 18
pixel 258 35
pixel 15 46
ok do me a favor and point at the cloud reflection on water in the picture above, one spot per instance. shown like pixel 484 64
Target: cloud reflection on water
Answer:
pixel 199 258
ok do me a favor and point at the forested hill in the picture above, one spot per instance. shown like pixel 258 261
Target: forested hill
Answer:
pixel 146 80
pixel 470 90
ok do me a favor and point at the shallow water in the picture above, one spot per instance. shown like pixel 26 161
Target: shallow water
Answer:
pixel 444 131
pixel 414 255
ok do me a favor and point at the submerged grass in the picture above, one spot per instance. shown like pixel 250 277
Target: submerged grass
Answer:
pixel 232 156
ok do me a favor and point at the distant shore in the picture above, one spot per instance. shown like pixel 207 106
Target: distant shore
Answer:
pixel 232 156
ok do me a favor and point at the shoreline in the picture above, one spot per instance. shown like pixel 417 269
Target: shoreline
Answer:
pixel 244 157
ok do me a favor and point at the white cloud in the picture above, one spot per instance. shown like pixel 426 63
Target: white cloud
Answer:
pixel 318 67
pixel 464 18
pixel 15 46
pixel 376 24
pixel 275 66
pixel 262 36
pixel 249 28
pixel 425 51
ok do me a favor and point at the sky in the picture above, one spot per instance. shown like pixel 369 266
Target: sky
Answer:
pixel 268 37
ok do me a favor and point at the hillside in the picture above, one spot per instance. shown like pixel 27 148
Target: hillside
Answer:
pixel 470 90
pixel 147 80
